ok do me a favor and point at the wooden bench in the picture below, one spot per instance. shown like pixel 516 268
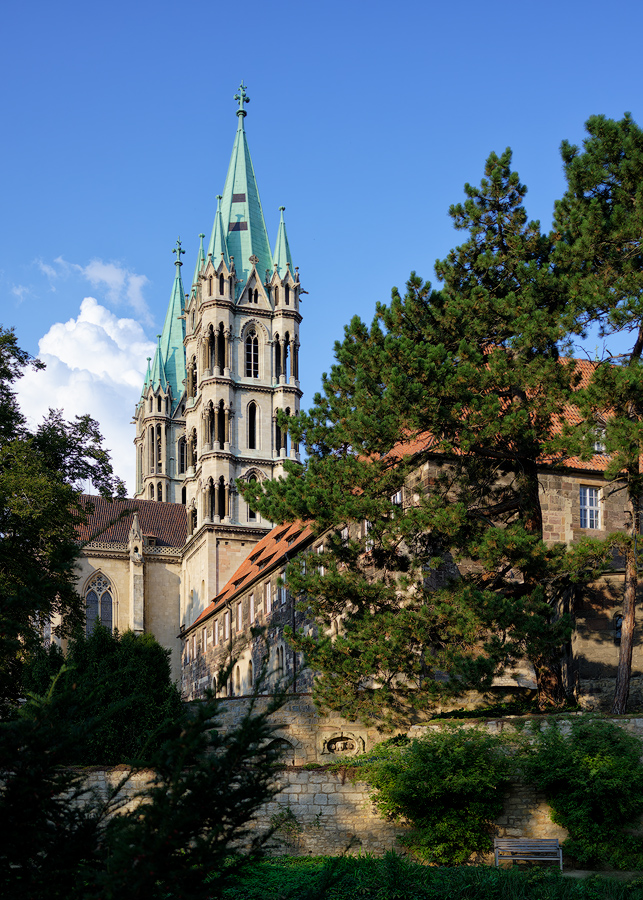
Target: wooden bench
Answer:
pixel 528 850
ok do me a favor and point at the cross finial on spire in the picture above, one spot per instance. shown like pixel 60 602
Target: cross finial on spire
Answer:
pixel 242 97
pixel 179 252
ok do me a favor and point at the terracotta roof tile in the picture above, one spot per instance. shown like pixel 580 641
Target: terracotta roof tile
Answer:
pixel 167 522
pixel 282 542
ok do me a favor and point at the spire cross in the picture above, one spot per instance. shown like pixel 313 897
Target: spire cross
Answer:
pixel 242 97
pixel 179 253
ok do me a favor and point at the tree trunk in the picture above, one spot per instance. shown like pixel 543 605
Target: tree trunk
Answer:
pixel 624 670
pixel 549 681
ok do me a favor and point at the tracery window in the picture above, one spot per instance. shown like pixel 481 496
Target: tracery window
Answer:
pixel 98 603
pixel 252 355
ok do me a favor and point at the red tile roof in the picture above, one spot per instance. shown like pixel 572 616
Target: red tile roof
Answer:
pixel 571 416
pixel 280 544
pixel 111 520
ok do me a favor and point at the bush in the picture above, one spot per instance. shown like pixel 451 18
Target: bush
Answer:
pixel 447 785
pixel 191 833
pixel 118 687
pixel 591 773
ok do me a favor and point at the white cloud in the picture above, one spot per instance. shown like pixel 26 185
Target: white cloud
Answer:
pixel 95 364
pixel 121 285
pixel 20 291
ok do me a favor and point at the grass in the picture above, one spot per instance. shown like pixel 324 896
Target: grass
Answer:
pixel 393 877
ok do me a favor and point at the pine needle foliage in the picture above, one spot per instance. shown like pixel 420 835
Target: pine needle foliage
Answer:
pixel 449 397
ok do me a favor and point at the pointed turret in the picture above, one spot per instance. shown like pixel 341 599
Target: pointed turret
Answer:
pixel 171 342
pixel 158 378
pixel 200 263
pixel 282 257
pixel 217 247
pixel 148 377
pixel 244 227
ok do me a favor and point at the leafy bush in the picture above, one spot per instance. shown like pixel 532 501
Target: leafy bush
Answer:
pixel 447 785
pixel 118 687
pixel 591 773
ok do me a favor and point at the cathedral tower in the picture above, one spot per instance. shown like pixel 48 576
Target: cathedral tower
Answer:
pixel 239 327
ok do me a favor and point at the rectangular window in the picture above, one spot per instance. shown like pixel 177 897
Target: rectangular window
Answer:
pixel 216 633
pixel 282 592
pixel 396 499
pixel 226 625
pixel 589 507
pixel 205 637
pixel 239 616
pixel 268 596
pixel 344 534
pixel 252 608
pixel 320 550
pixel 194 646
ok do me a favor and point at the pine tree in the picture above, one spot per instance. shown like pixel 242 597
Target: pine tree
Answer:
pixel 599 223
pixel 461 385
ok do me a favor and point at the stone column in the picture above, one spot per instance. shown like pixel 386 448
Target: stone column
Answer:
pixel 216 502
pixel 136 578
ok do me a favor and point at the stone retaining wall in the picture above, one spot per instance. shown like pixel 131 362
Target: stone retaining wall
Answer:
pixel 319 812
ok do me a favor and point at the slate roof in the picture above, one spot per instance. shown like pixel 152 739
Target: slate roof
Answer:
pixel 167 522
pixel 279 545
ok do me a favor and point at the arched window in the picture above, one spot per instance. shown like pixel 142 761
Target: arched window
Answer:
pixel 237 680
pixel 151 402
pixel 159 491
pixel 182 456
pixel 287 295
pixel 221 285
pixel 98 602
pixel 151 492
pixel 210 285
pixel 184 496
pixel 250 676
pixel 256 298
pixel 276 296
pixel 221 506
pixel 252 355
pixel 252 515
pixel 252 425
pixel 158 404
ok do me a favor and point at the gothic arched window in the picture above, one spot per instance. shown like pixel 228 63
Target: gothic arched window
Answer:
pixel 158 404
pixel 287 295
pixel 182 456
pixel 256 296
pixel 252 425
pixel 252 355
pixel 252 515
pixel 276 296
pixel 221 285
pixel 98 603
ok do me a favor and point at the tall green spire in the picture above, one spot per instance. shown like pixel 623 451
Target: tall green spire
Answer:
pixel 169 360
pixel 200 262
pixel 282 255
pixel 244 227
pixel 217 246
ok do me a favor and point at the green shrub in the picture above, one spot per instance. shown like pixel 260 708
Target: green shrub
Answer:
pixel 591 773
pixel 447 785
pixel 118 688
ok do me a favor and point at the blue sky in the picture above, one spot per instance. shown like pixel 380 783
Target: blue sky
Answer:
pixel 365 121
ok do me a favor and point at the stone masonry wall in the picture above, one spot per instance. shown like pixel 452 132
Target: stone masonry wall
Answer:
pixel 320 812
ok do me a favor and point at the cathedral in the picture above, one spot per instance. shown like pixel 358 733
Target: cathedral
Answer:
pixel 225 363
